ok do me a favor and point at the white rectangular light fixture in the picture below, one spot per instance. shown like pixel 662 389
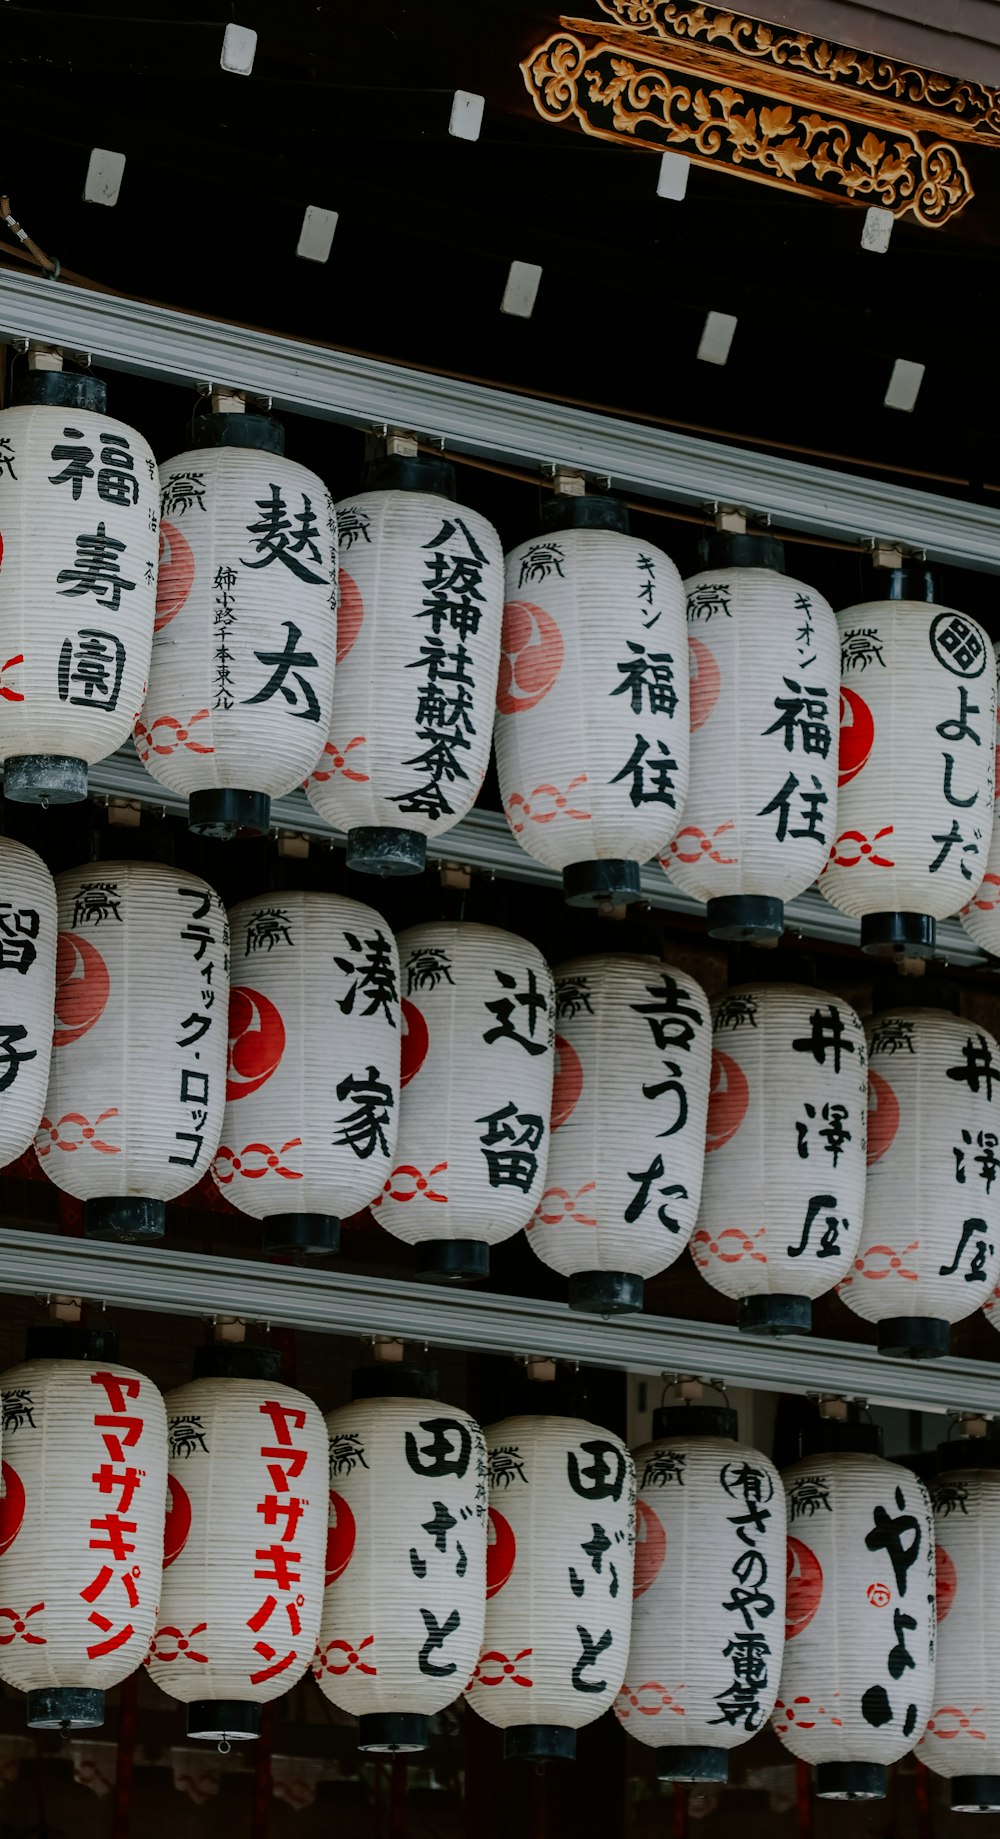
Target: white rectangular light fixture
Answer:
pixel 316 235
pixel 104 176
pixel 672 177
pixel 904 385
pixel 466 115
pixel 876 230
pixel 239 48
pixel 521 289
pixel 716 337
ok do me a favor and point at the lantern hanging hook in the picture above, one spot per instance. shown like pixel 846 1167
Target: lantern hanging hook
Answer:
pixel 690 1386
pixel 224 1746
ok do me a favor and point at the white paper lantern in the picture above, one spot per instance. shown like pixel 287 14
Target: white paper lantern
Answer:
pixel 28 980
pixel 241 676
pixel 418 648
pixel 312 1086
pixel 558 1581
pixel 930 1250
pixel 980 917
pixel 476 1094
pixel 244 1542
pixel 915 817
pixel 78 523
pixel 592 732
pixel 782 1202
pixel 857 1678
pixel 761 807
pixel 633 1053
pixel 406 1557
pixel 81 1523
pixel 962 1739
pixel 708 1621
pixel 138 1074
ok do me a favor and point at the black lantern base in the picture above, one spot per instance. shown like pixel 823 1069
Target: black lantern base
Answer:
pixel 129 1219
pixel 224 812
pixel 314 1235
pixel 605 1292
pixel 851 1781
pixel 691 1762
pixel 65 1707
pixel 914 1337
pixel 775 1315
pixel 393 1732
pixel 751 919
pixel 898 935
pixel 695 1421
pixel 71 1341
pixel 376 849
pixel 606 882
pixel 453 1260
pixel 235 1360
pixel 59 389
pixel 975 1794
pixel 44 779
pixel 224 1720
pixel 539 1743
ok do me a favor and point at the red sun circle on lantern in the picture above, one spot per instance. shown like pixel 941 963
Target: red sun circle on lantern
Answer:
pixel 350 613
pixel 341 1533
pixel 567 1084
pixel 256 1041
pixel 177 1524
pixel 650 1547
pixel 175 578
pixel 415 1042
pixel 706 681
pixel 946 1581
pixel 501 1550
pixel 531 656
pixel 82 988
pixel 803 1588
pixel 857 735
pixel 883 1116
pixel 728 1099
pixel 11 1506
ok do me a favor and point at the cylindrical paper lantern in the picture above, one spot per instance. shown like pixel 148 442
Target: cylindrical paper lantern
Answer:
pixel 418 648
pixel 558 1581
pixel 81 1523
pixel 592 727
pixel 312 1088
pixel 782 1202
pixel 241 676
pixel 761 807
pixel 981 915
pixel 244 1541
pixel 962 1739
pixel 138 1075
pixel 929 1254
pixel 28 980
pixel 915 817
pixel 78 523
pixel 406 1557
pixel 709 1613
pixel 857 1678
pixel 633 1053
pixel 476 1094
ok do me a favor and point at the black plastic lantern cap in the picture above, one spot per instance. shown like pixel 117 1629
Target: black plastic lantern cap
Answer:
pixel 774 1315
pixel 695 1421
pixel 605 1292
pixel 396 1733
pixel 234 1360
pixel 851 1781
pixel 914 581
pixel 224 812
pixel 453 1260
pixel 59 389
pixel 741 549
pixel 606 882
pixel 44 779
pixel 914 1337
pixel 749 919
pixel 898 935
pixel 389 1380
pixel 840 1437
pixel 128 1219
pixel 69 1341
pixel 312 1235
pixel 410 472
pixel 967 1453
pixel 975 1794
pixel 222 429
pixel 224 1720
pixel 62 1707
pixel 377 849
pixel 691 1762
pixel 539 1743
pixel 590 511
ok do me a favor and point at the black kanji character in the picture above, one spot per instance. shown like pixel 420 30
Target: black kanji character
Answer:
pixel 280 538
pixel 280 663
pixel 363 1128
pixel 530 999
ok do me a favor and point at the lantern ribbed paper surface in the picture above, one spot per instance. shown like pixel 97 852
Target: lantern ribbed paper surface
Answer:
pixel 81 1531
pixel 78 523
pixel 312 1092
pixel 709 1613
pixel 962 1739
pixel 406 1565
pixel 418 649
pixel 783 1197
pixel 241 677
pixel 633 1053
pixel 915 817
pixel 930 1250
pixel 980 916
pixel 558 1581
pixel 243 1554
pixel 592 732
pixel 476 1094
pixel 857 1679
pixel 761 807
pixel 28 927
pixel 138 1075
